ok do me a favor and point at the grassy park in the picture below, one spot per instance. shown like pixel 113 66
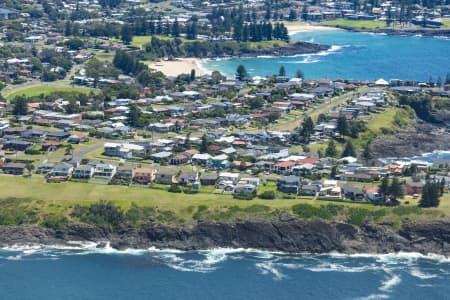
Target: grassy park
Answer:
pixel 355 24
pixel 38 89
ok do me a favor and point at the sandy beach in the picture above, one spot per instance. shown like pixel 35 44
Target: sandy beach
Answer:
pixel 301 27
pixel 179 66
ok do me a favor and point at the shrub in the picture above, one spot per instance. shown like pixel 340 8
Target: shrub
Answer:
pixel 102 213
pixel 306 211
pixel 55 222
pixel 174 188
pixel 268 195
pixel 357 216
pixel 244 196
pixel 406 210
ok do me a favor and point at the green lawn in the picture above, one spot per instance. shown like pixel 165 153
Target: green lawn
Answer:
pixel 446 23
pixel 355 24
pixel 139 41
pixel 36 196
pixel 36 90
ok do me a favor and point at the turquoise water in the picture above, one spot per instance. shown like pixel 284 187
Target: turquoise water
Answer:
pixel 69 274
pixel 355 56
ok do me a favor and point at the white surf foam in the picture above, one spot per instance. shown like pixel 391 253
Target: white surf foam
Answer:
pixel 270 268
pixel 419 274
pixel 390 282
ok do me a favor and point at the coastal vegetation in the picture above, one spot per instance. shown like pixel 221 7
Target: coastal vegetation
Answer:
pixel 55 205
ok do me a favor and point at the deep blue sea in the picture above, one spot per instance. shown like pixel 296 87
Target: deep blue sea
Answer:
pixel 357 56
pixel 50 273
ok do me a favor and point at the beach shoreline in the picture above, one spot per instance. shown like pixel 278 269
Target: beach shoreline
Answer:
pixel 179 66
pixel 296 28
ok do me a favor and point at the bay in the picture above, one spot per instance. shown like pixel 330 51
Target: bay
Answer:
pixel 354 55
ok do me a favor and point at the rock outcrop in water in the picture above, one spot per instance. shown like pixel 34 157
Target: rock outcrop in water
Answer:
pixel 290 235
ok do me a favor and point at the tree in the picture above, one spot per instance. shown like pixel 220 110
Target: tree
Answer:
pixel 30 168
pixel 396 189
pixel 292 15
pixel 383 188
pixel 367 152
pixel 307 129
pixel 176 28
pixel 204 144
pixel 349 149
pixel 333 172
pixel 430 194
pixel 134 115
pixel 331 149
pixel 126 34
pixel 241 73
pixel 299 74
pixel 342 125
pixel 69 149
pixel 442 186
pixel 282 71
pixel 20 106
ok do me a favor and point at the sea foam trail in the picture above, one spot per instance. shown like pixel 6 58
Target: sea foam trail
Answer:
pixel 390 283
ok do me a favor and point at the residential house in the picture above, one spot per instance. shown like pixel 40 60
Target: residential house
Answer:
pixel 242 188
pixel 144 175
pixel 330 188
pixel 104 171
pixel 372 193
pixel 289 184
pixel 44 168
pixel 201 159
pixel 61 169
pixel 161 156
pixel 83 172
pixel 231 177
pixel 166 176
pixel 353 193
pixel 125 172
pixel 208 178
pixel 57 135
pixel 17 145
pixel 188 177
pixel 126 150
pixel 51 146
pixel 14 168
pixel 283 167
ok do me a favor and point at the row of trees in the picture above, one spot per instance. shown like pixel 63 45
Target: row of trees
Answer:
pixel 431 193
pixel 257 32
pixel 391 190
pixel 128 63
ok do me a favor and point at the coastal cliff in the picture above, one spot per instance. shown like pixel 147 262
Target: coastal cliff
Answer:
pixel 286 235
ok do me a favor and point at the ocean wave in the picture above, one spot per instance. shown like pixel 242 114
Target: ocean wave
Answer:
pixel 419 274
pixel 394 257
pixel 270 268
pixel 373 297
pixel 333 267
pixel 390 282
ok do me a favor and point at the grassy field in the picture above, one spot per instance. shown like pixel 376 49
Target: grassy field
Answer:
pixel 355 24
pixel 42 200
pixel 38 89
pixel 446 23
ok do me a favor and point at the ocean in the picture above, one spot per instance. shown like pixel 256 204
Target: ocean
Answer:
pixel 89 273
pixel 354 55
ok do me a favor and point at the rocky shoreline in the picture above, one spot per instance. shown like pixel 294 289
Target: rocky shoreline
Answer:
pixel 288 235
